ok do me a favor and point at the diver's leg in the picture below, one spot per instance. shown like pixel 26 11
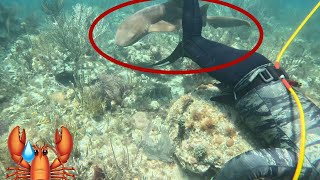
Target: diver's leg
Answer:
pixel 191 20
pixel 193 45
pixel 265 164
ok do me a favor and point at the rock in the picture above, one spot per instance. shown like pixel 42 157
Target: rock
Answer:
pixel 140 120
pixel 155 105
pixel 204 134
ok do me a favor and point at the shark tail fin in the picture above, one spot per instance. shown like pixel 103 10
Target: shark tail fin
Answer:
pixel 173 57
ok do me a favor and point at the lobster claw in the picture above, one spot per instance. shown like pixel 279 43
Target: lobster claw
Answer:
pixel 64 145
pixel 16 143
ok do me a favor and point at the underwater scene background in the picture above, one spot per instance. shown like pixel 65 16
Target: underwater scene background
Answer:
pixel 128 124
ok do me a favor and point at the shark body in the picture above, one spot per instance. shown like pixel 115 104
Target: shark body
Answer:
pixel 164 17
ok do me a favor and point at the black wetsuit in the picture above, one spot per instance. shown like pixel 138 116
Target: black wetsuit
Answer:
pixel 208 53
pixel 267 108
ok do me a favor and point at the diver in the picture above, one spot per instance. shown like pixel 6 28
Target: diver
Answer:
pixel 266 106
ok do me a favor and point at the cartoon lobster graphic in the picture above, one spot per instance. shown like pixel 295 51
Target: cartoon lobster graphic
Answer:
pixel 40 168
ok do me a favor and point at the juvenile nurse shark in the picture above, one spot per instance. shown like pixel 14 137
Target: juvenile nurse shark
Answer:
pixel 164 17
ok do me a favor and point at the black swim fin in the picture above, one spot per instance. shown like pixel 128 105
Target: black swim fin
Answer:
pixel 227 99
pixel 173 57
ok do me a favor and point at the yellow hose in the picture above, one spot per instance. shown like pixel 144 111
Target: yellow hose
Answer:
pixel 302 121
pixel 302 136
pixel 296 32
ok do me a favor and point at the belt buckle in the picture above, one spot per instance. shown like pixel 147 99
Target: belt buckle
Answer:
pixel 266 79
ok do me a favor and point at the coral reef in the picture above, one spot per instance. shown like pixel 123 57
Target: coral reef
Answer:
pixel 5 84
pixel 211 138
pixel 69 33
pixel 158 147
pixel 140 120
pixel 112 88
pixel 93 102
pixel 5 122
pixel 127 124
pixel 107 93
pixel 98 174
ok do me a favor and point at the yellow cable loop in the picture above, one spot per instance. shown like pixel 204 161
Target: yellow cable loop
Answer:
pixel 302 121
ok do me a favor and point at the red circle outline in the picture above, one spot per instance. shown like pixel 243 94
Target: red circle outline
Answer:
pixel 158 71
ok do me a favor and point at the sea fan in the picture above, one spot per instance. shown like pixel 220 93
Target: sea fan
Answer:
pixel 111 88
